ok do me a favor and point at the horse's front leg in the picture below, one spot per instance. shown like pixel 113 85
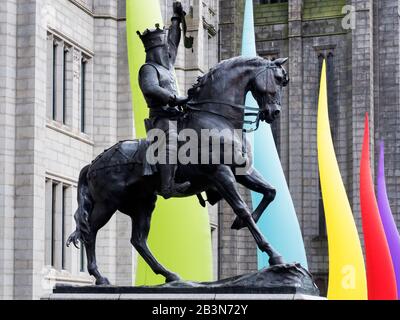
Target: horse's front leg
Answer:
pixel 255 182
pixel 225 182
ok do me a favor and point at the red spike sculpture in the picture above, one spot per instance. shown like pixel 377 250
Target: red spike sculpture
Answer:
pixel 380 273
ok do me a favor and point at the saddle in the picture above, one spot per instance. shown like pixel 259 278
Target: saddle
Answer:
pixel 125 153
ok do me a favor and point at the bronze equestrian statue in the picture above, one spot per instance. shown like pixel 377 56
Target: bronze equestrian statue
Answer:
pixel 120 179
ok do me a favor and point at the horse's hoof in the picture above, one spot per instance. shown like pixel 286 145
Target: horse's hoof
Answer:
pixel 103 281
pixel 172 277
pixel 273 261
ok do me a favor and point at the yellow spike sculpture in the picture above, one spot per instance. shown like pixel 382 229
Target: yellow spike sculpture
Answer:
pixel 347 277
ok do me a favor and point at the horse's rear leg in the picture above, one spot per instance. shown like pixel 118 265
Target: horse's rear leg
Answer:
pixel 100 215
pixel 225 183
pixel 255 182
pixel 140 230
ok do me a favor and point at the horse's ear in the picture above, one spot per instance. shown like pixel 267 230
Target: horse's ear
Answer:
pixel 280 62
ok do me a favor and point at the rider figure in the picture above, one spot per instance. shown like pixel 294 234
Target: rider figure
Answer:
pixel 157 82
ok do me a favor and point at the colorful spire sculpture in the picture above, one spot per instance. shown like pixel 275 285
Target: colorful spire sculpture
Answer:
pixel 180 230
pixel 347 279
pixel 380 273
pixel 279 222
pixel 389 225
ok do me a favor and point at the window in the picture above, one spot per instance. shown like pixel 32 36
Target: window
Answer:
pixel 53 219
pixel 332 106
pixel 63 215
pixel 333 118
pixel 69 84
pixel 57 197
pixel 58 79
pixel 54 81
pixel 321 211
pixel 82 259
pixel 65 86
pixel 272 1
pixel 83 93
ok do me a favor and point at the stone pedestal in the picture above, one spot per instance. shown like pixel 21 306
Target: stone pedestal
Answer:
pixel 282 282
pixel 178 297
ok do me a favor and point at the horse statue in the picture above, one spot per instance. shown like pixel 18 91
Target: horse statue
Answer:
pixel 115 179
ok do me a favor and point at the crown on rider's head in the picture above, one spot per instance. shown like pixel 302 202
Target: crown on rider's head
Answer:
pixel 153 38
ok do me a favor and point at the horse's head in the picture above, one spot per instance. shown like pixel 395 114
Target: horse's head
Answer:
pixel 267 88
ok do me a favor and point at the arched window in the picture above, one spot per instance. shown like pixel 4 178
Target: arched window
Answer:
pixel 333 119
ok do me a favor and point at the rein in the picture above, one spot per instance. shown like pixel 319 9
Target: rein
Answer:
pixel 233 105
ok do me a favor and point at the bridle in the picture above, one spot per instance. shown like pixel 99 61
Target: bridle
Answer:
pixel 190 105
pixel 253 112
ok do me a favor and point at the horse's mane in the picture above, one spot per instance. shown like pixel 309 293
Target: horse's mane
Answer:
pixel 217 72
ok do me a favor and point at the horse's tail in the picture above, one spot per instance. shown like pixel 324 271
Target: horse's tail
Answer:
pixel 85 206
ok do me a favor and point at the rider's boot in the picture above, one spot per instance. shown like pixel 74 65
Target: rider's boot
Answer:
pixel 168 186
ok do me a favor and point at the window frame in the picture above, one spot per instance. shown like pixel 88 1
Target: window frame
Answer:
pixel 64 85
pixel 54 81
pixel 58 207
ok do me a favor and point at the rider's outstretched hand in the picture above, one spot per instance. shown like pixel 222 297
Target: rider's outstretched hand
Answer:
pixel 179 101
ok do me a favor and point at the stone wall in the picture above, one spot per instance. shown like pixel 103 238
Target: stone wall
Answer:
pixel 8 33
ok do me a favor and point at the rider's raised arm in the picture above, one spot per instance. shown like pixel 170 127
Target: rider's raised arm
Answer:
pixel 174 36
pixel 150 86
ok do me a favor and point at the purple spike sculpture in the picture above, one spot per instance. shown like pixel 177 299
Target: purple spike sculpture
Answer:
pixel 392 234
